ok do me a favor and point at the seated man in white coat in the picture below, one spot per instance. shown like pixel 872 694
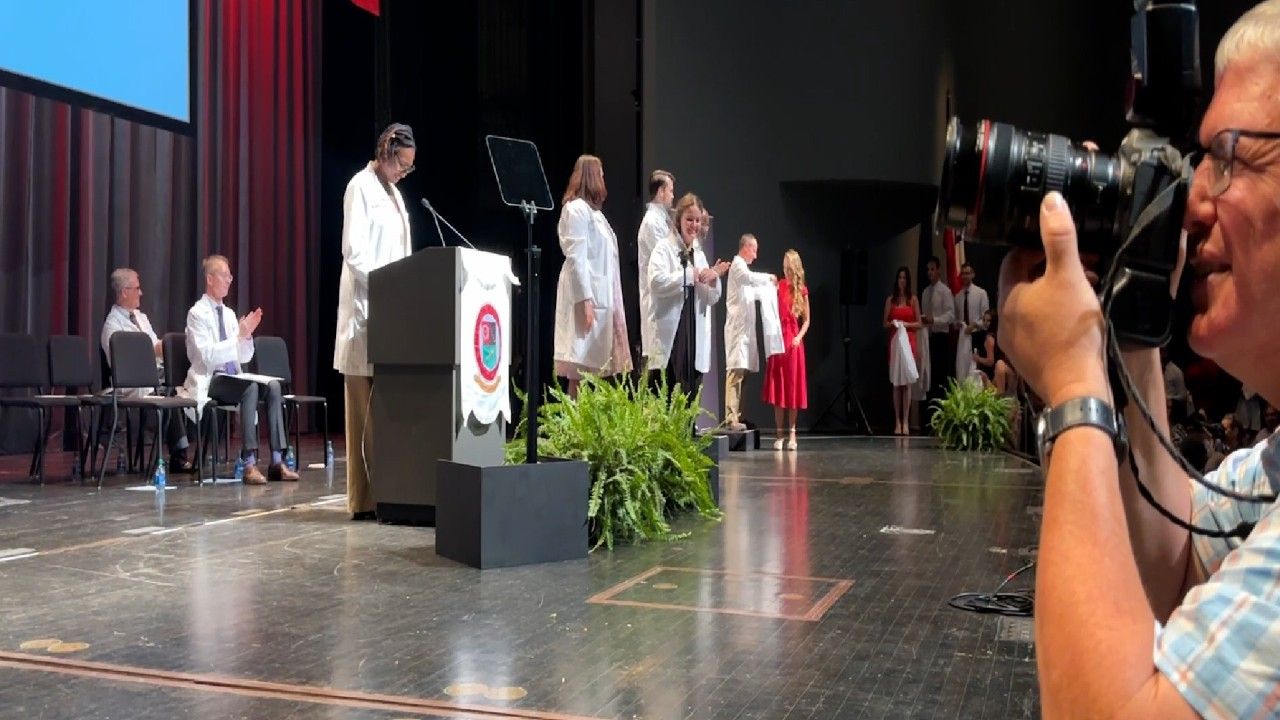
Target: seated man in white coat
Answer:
pixel 678 262
pixel 217 345
pixel 740 353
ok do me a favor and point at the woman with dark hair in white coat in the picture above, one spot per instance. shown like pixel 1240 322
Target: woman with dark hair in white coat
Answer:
pixel 591 324
pixel 375 231
pixel 668 277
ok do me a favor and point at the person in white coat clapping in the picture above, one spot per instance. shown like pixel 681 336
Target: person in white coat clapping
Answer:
pixel 740 352
pixel 375 232
pixel 669 275
pixel 591 324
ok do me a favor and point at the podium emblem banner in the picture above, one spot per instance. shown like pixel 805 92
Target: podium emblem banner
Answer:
pixel 486 336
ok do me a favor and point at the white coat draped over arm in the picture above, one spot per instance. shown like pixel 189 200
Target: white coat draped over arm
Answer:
pixel 740 347
pixel 375 232
pixel 588 273
pixel 667 279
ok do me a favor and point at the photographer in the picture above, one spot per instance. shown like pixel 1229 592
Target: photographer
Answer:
pixel 1135 617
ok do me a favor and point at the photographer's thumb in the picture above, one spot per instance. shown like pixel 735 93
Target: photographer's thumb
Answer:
pixel 1058 232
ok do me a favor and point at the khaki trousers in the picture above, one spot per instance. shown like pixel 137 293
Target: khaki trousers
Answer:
pixel 733 395
pixel 357 389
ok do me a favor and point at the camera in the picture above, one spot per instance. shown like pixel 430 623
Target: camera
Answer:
pixel 1127 206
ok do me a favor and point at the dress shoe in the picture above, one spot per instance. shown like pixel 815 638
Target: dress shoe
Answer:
pixel 279 471
pixel 737 427
pixel 178 463
pixel 253 476
pixel 364 515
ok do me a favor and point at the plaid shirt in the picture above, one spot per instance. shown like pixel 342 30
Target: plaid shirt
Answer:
pixel 1221 647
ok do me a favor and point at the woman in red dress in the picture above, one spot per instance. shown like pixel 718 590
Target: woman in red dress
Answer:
pixel 902 306
pixel 784 379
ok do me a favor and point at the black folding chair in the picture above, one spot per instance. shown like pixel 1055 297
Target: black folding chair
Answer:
pixel 176 366
pixel 23 367
pixel 133 366
pixel 71 368
pixel 271 357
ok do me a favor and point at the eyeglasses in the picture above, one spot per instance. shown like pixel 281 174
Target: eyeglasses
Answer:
pixel 402 167
pixel 223 276
pixel 1222 155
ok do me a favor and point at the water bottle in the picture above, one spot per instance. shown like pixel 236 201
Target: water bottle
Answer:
pixel 160 475
pixel 120 461
pixel 328 453
pixel 239 469
pixel 290 458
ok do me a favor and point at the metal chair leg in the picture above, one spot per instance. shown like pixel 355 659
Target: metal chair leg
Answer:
pixel 111 441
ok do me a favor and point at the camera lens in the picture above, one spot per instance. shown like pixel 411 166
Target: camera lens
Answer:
pixel 994 176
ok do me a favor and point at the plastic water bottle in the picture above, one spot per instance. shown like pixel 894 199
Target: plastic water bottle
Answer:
pixel 239 469
pixel 328 453
pixel 161 475
pixel 290 458
pixel 120 462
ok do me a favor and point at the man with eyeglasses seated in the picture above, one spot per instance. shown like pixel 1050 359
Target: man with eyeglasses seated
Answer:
pixel 1136 617
pixel 127 316
pixel 218 344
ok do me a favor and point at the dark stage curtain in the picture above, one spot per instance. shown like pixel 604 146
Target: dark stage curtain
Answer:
pixel 82 193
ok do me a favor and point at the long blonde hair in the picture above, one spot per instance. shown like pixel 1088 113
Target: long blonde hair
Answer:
pixel 793 269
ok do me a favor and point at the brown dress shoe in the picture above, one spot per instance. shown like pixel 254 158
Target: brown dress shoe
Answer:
pixel 254 476
pixel 280 471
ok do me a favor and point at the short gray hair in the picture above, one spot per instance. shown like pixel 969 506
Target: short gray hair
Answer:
pixel 747 238
pixel 120 277
pixel 210 264
pixel 1255 34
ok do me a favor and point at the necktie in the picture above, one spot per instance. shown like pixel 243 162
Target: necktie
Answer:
pixel 966 307
pixel 228 367
pixel 133 318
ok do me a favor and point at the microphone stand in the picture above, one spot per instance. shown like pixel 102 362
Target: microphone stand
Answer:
pixel 439 219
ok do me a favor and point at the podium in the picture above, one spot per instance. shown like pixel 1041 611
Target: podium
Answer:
pixel 417 346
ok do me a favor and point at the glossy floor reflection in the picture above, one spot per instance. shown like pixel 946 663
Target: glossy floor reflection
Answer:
pixel 822 594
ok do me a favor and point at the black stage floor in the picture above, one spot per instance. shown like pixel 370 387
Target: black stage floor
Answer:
pixel 822 594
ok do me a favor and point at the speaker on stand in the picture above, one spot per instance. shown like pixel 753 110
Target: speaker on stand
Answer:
pixel 853 291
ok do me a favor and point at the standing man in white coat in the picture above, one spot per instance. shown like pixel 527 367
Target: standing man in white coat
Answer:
pixel 375 232
pixel 938 312
pixel 669 275
pixel 971 304
pixel 655 226
pixel 591 324
pixel 740 352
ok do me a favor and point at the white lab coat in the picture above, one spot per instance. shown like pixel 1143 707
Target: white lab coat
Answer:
pixel 375 232
pixel 740 347
pixel 589 272
pixel 207 352
pixel 655 226
pixel 978 305
pixel 666 286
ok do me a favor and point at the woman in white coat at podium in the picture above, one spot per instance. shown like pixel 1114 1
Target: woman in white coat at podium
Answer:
pixel 668 277
pixel 591 324
pixel 375 231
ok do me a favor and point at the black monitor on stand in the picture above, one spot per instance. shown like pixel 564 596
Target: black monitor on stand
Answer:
pixel 523 184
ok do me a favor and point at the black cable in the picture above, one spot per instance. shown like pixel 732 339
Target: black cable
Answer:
pixel 1018 603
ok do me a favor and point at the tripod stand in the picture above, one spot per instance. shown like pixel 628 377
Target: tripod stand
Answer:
pixel 846 392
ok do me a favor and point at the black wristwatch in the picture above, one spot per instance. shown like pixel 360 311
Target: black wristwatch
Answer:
pixel 1080 411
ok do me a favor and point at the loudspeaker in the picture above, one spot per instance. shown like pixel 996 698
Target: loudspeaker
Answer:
pixel 853 276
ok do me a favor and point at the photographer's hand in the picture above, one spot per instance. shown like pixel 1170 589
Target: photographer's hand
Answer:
pixel 1052 324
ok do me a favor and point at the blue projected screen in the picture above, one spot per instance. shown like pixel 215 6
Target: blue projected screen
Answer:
pixel 134 53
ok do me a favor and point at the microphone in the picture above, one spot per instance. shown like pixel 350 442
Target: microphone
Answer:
pixel 432 210
pixel 438 220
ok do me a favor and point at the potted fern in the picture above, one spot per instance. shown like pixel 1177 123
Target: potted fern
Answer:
pixel 972 417
pixel 645 463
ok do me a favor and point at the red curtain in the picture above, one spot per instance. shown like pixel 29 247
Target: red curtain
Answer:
pixel 258 162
